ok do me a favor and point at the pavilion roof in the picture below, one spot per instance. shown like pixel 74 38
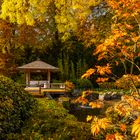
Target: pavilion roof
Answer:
pixel 38 65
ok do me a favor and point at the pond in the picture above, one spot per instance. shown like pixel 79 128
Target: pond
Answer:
pixel 81 112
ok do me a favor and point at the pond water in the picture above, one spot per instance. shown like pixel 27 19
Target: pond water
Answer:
pixel 81 112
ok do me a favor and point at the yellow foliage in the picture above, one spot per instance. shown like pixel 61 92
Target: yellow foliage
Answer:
pixel 126 81
pixel 97 104
pixel 82 100
pixel 132 101
pixel 69 85
pixel 101 80
pixel 100 49
pixel 136 128
pixel 22 11
pixel 89 118
pixel 116 136
pixel 86 93
pixel 110 137
pixel 102 70
pixel 98 124
pixel 88 73
pixel 123 127
pixel 123 109
pixel 95 129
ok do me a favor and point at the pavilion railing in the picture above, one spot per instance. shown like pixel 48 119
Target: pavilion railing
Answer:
pixel 45 84
pixel 57 85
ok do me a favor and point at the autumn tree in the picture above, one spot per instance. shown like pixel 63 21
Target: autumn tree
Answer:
pixel 93 29
pixel 16 39
pixel 122 45
pixel 45 24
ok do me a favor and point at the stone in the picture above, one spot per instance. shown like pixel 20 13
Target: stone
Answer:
pixel 101 97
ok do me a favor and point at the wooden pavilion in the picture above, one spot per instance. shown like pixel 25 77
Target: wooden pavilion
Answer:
pixel 41 86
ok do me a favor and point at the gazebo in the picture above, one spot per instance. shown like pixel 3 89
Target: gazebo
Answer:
pixel 38 66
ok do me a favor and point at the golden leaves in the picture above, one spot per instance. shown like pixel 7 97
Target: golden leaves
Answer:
pixel 136 128
pixel 86 93
pixel 133 101
pixel 97 104
pixel 89 118
pixel 102 70
pixel 127 106
pixel 128 26
pixel 69 86
pixel 88 73
pixel 21 12
pixel 136 38
pixel 82 100
pixel 101 80
pixel 124 21
pixel 110 137
pixel 116 136
pixel 123 127
pixel 98 124
pixel 123 109
pixel 100 49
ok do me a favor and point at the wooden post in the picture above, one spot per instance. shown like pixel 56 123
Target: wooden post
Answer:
pixel 49 78
pixel 27 73
pixel 26 79
pixel 39 89
pixel 29 77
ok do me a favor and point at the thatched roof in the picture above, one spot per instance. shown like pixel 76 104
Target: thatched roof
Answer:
pixel 38 65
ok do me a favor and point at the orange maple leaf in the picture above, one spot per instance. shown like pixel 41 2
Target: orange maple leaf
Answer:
pixel 101 80
pixel 123 127
pixel 102 70
pixel 88 73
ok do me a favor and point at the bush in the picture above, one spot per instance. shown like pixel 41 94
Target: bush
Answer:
pixel 107 85
pixel 52 121
pixel 83 84
pixel 16 105
pixel 126 82
pixel 121 121
pixel 65 101
pixel 69 86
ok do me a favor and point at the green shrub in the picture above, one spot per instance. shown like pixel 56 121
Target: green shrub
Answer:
pixel 69 86
pixel 16 105
pixel 52 121
pixel 65 101
pixel 107 85
pixel 128 81
pixel 83 84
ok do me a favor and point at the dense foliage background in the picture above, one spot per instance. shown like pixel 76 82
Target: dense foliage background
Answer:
pixel 65 34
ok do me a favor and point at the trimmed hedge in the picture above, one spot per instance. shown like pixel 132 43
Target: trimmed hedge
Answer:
pixel 16 106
